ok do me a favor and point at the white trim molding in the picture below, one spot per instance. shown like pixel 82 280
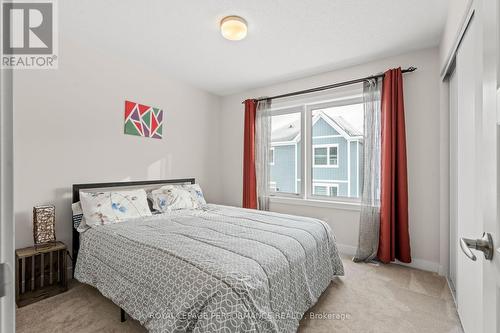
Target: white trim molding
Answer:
pixel 464 23
pixel 328 137
pixel 329 181
pixel 422 264
pixel 347 250
pixel 333 204
pixel 425 265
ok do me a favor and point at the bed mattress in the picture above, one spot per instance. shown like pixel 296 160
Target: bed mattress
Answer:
pixel 215 269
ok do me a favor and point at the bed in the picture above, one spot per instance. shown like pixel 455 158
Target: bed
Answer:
pixel 212 269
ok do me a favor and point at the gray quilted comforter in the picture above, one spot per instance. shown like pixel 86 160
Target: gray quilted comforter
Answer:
pixel 216 269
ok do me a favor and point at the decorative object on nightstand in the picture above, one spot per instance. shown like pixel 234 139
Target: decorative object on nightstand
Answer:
pixel 40 272
pixel 44 224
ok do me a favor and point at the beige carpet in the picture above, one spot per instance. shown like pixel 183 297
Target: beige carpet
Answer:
pixel 369 298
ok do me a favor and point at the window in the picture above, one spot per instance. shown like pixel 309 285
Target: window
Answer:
pixel 320 156
pixel 326 155
pixel 336 141
pixel 317 149
pixel 329 190
pixel 271 156
pixel 333 158
pixel 286 158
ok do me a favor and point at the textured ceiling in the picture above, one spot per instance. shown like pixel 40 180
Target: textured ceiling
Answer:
pixel 287 38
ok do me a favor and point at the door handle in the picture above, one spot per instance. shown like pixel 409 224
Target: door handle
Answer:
pixel 484 244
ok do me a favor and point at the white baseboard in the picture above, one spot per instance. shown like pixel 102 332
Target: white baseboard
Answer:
pixel 425 265
pixel 452 291
pixel 347 250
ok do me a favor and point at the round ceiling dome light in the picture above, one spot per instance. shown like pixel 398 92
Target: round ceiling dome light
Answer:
pixel 233 28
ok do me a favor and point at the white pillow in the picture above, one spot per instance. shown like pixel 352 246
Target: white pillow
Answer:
pixel 196 193
pixel 173 197
pixel 112 207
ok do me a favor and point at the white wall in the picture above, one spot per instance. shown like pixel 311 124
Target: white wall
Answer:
pixel 69 129
pixel 422 102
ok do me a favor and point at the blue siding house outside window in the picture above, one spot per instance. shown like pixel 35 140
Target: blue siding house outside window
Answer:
pixel 336 158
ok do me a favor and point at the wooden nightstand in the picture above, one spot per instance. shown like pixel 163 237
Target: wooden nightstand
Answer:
pixel 40 272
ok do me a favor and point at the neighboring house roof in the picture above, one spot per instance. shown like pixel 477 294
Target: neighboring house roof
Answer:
pixel 291 132
pixel 346 126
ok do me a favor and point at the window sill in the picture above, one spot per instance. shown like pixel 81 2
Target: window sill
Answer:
pixel 326 166
pixel 344 205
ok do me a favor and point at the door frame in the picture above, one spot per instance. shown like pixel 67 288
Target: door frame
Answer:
pixel 7 303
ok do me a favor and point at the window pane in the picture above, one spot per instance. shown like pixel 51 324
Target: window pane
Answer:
pixel 337 149
pixel 285 141
pixel 320 156
pixel 319 190
pixel 333 156
pixel 333 191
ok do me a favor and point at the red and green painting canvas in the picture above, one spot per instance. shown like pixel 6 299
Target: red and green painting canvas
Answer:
pixel 143 120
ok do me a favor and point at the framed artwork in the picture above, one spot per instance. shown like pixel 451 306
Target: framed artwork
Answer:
pixel 143 120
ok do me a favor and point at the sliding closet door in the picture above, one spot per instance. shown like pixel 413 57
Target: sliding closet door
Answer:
pixel 453 103
pixel 474 195
pixel 467 191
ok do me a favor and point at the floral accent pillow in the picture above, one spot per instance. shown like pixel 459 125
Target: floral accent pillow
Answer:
pixel 101 208
pixel 196 193
pixel 173 197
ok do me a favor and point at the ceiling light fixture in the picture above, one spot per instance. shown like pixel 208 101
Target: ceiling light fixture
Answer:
pixel 233 28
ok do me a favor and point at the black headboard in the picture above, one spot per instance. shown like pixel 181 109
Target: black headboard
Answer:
pixel 76 198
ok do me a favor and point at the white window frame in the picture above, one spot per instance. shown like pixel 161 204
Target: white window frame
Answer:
pixel 271 154
pixel 288 110
pixel 305 194
pixel 327 146
pixel 328 187
pixel 309 152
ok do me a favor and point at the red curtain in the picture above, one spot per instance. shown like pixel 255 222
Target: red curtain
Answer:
pixel 394 239
pixel 249 180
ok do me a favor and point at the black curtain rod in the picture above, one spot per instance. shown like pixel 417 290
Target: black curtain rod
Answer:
pixel 331 86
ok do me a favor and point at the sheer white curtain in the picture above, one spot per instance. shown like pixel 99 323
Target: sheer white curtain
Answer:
pixel 262 152
pixel 369 222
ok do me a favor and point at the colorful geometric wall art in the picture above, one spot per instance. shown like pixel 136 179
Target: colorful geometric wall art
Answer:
pixel 143 120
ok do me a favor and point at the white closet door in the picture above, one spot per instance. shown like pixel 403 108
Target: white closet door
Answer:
pixel 474 172
pixel 469 273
